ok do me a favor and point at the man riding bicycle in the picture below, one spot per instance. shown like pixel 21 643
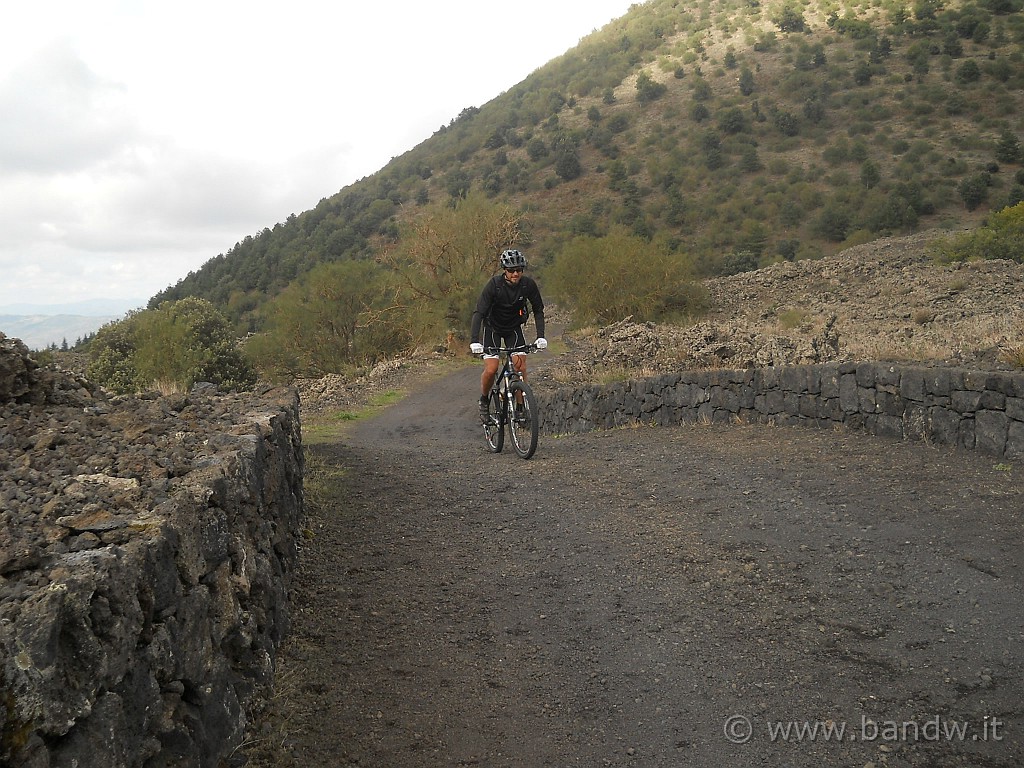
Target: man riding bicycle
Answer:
pixel 501 311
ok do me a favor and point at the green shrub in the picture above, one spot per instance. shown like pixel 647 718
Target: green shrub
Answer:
pixel 968 72
pixel 618 122
pixel 701 90
pixel 789 20
pixel 833 222
pixel 442 260
pixel 732 121
pixel 647 89
pixel 738 261
pixel 1001 237
pixel 609 278
pixel 332 318
pixel 536 149
pixel 746 81
pixel 112 356
pixel 169 348
pixel 974 189
pixel 1008 147
pixel 568 166
pixel 869 174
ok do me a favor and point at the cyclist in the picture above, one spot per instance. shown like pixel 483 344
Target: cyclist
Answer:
pixel 501 311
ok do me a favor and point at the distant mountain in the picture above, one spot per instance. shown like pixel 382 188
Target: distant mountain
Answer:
pixel 40 331
pixel 42 325
pixel 85 308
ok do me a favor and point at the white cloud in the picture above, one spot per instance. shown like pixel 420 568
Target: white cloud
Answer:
pixel 142 138
pixel 65 116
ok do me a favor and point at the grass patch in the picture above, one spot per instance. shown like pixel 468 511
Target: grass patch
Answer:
pixel 1013 356
pixel 328 427
pixel 791 318
pixel 384 399
pixel 321 480
pixel 555 347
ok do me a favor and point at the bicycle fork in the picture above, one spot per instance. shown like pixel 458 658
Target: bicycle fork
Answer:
pixel 507 382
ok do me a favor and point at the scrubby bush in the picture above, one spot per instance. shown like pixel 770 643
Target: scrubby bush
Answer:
pixel 1008 147
pixel 1001 237
pixel 536 149
pixel 746 81
pixel 605 279
pixel 974 189
pixel 112 356
pixel 732 121
pixel 738 261
pixel 618 122
pixel 169 348
pixel 790 20
pixel 833 222
pixel 182 342
pixel 968 72
pixel 568 166
pixel 441 261
pixel 648 89
pixel 334 317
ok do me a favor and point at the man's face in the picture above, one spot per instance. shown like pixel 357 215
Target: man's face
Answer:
pixel 514 275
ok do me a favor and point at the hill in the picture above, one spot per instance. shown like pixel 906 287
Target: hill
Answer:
pixel 741 134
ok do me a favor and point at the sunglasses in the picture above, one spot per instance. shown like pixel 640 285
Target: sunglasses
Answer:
pixel 513 269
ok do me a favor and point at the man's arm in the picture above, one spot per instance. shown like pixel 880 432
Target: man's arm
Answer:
pixel 483 307
pixel 474 332
pixel 538 310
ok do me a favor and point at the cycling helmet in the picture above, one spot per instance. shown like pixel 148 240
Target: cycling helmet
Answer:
pixel 512 258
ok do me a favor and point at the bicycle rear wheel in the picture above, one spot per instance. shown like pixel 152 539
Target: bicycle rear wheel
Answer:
pixel 523 424
pixel 494 429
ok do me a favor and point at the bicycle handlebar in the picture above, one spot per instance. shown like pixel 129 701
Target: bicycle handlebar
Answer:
pixel 525 349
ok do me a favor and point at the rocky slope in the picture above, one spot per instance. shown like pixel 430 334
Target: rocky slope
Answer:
pixel 146 547
pixel 66 449
pixel 886 300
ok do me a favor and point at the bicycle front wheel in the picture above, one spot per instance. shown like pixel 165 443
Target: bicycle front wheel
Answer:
pixel 494 428
pixel 523 420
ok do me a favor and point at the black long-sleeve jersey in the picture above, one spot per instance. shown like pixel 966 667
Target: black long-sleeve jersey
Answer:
pixel 502 306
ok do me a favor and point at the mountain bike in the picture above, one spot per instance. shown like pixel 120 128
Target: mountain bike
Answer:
pixel 511 404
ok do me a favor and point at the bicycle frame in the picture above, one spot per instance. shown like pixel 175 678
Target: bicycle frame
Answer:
pixel 508 392
pixel 506 371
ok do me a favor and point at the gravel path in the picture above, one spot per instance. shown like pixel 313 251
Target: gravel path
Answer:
pixel 622 595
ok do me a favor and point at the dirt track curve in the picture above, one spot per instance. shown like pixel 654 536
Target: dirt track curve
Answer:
pixel 652 597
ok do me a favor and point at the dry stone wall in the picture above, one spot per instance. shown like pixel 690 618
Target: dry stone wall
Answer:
pixel 976 410
pixel 147 546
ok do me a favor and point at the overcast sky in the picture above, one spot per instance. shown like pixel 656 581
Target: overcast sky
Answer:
pixel 139 138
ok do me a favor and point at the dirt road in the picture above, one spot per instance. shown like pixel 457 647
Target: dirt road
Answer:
pixel 652 597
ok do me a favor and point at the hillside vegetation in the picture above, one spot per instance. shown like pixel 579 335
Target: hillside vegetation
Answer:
pixel 728 135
